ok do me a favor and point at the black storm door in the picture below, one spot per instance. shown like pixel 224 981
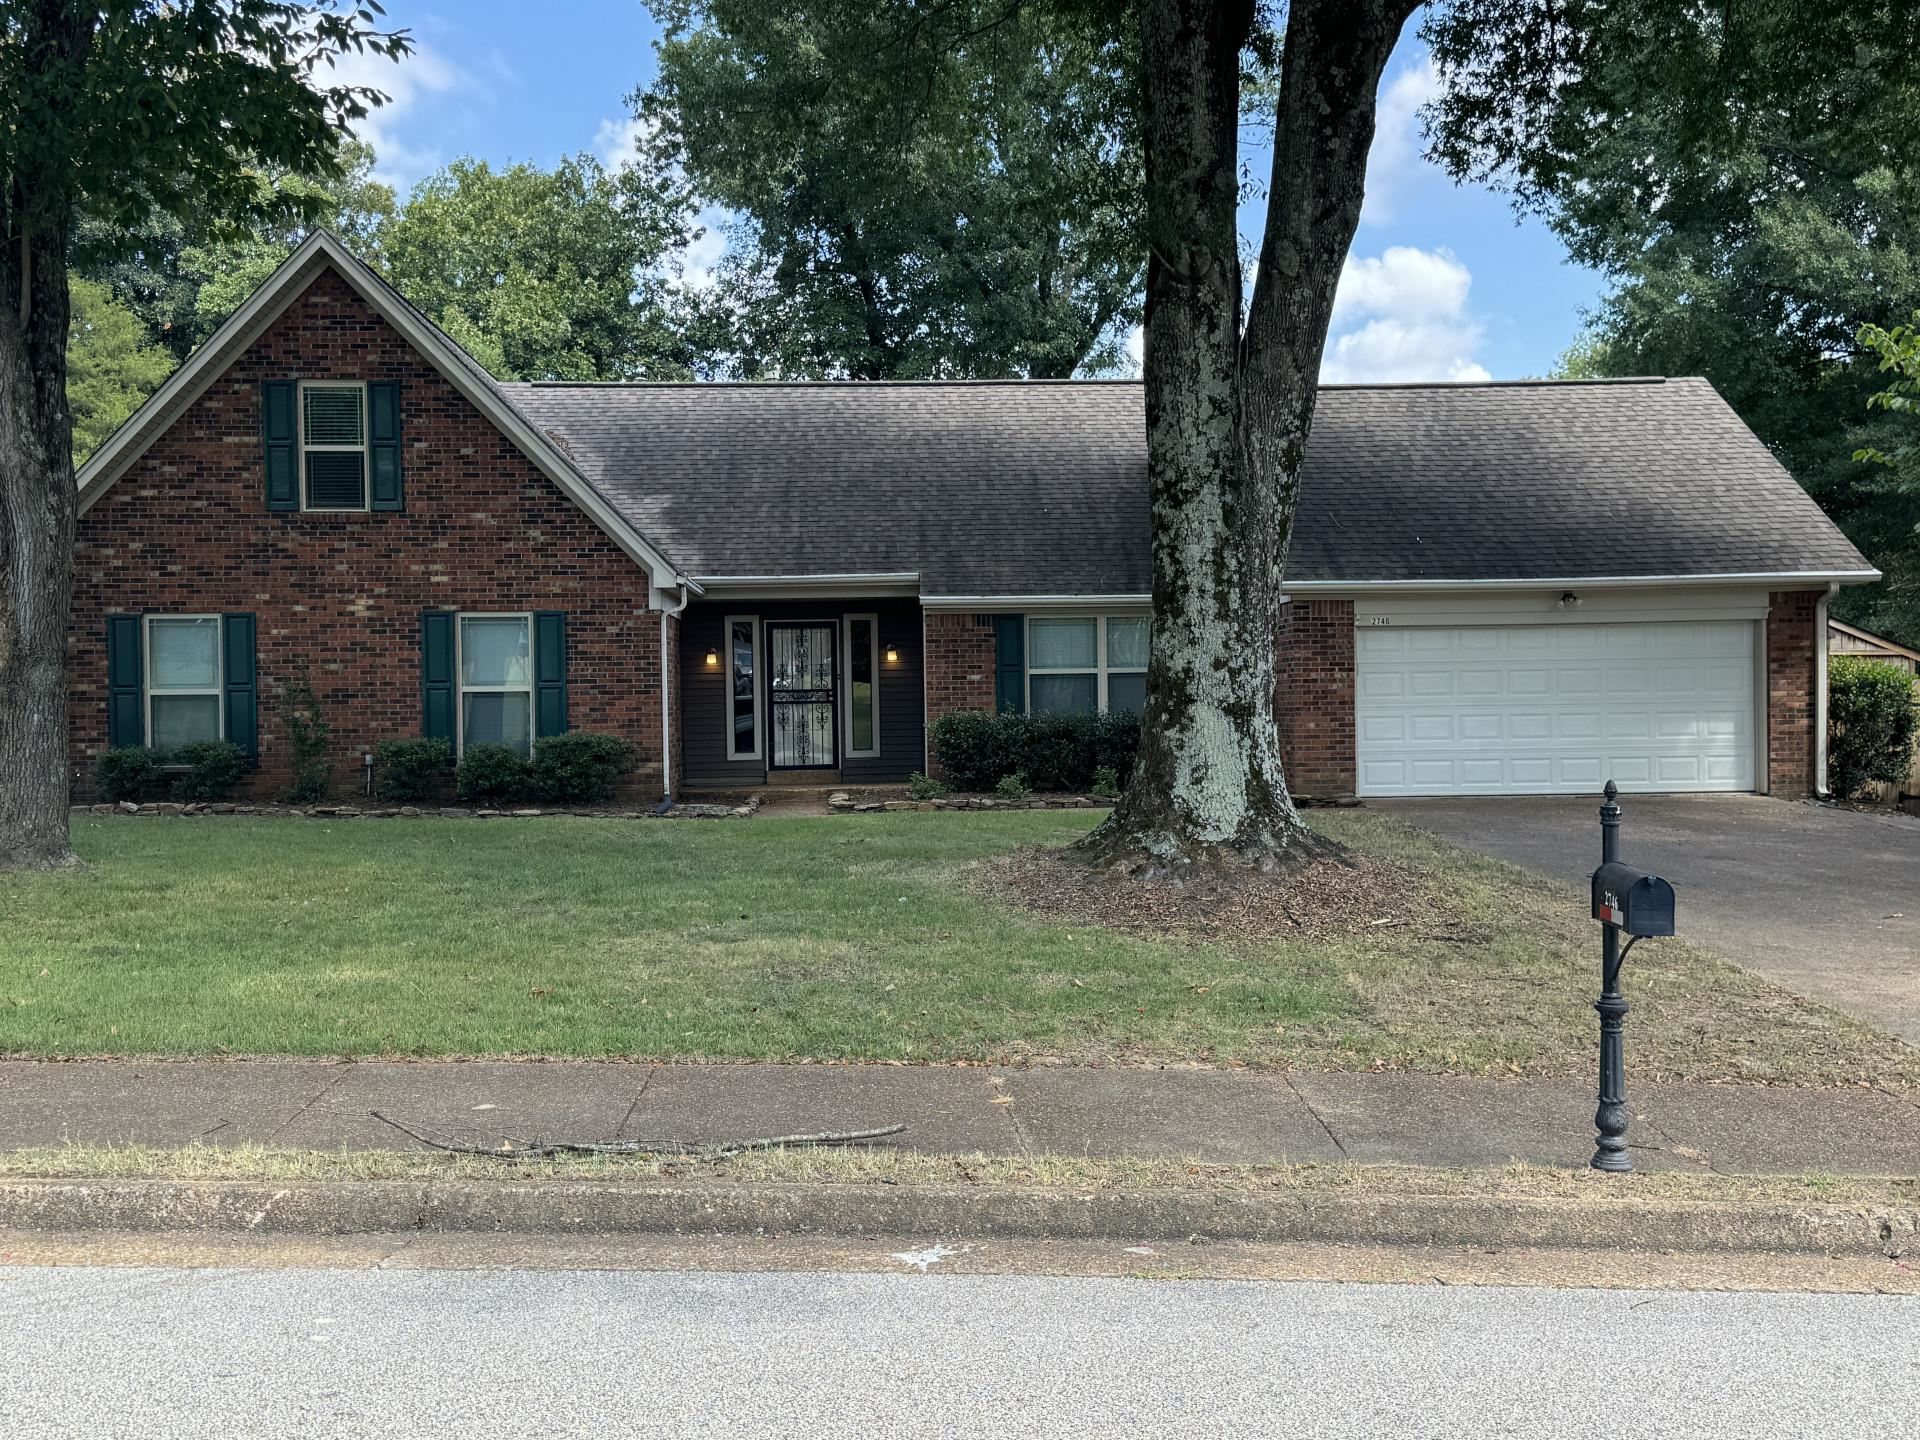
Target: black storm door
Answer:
pixel 800 695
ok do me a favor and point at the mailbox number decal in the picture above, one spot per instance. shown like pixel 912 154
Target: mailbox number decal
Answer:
pixel 1610 911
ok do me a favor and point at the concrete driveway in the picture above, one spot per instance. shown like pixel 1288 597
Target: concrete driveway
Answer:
pixel 1826 902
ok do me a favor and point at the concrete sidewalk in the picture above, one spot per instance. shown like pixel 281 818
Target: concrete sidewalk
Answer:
pixel 1213 1115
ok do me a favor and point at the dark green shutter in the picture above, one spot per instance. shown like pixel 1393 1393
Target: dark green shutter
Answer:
pixel 383 440
pixel 280 427
pixel 1010 664
pixel 549 673
pixel 241 697
pixel 436 674
pixel 126 714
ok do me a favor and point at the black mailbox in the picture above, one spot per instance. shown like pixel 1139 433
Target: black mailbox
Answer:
pixel 1632 900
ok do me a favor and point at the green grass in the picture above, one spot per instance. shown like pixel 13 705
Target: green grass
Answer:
pixel 847 938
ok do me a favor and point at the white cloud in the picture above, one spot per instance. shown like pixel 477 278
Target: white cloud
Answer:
pixel 1397 161
pixel 1402 315
pixel 702 254
pixel 422 74
pixel 617 142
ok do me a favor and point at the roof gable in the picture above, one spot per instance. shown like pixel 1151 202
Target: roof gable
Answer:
pixel 319 253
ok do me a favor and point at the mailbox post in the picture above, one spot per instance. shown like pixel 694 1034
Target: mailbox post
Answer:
pixel 1630 901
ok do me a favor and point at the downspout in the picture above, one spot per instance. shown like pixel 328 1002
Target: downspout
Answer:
pixel 1820 790
pixel 666 702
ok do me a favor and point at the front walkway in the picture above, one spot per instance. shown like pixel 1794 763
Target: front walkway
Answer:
pixel 1221 1116
pixel 1824 901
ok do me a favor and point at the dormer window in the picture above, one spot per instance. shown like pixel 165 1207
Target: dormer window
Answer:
pixel 333 445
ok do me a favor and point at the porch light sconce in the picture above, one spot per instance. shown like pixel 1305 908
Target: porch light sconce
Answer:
pixel 893 654
pixel 713 657
pixel 1569 600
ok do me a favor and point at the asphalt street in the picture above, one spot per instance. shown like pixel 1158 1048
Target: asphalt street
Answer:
pixel 183 1353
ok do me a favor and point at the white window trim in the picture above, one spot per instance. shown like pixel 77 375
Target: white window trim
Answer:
pixel 218 689
pixel 726 679
pixel 461 689
pixel 874 651
pixel 363 449
pixel 1101 670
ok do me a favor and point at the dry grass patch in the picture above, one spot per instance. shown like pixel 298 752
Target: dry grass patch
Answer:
pixel 882 1165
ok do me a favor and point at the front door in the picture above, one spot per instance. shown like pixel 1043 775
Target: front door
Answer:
pixel 800 673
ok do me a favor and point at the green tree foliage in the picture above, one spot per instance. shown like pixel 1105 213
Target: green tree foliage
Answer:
pixel 1745 177
pixel 184 272
pixel 121 110
pixel 111 365
pixel 923 190
pixel 555 274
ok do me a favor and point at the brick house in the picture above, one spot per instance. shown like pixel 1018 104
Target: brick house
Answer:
pixel 1518 588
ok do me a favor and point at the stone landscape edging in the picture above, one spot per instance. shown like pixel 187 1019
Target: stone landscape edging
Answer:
pixel 272 810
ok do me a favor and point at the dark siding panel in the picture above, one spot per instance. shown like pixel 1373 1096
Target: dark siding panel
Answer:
pixel 703 705
pixel 703 693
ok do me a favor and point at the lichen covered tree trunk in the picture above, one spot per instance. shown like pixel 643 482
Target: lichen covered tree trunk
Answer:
pixel 1229 408
pixel 37 508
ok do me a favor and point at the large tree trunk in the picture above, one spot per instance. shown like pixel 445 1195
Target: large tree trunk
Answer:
pixel 1227 415
pixel 37 507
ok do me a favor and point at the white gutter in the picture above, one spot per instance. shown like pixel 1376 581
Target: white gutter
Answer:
pixel 891 582
pixel 666 702
pixel 1820 646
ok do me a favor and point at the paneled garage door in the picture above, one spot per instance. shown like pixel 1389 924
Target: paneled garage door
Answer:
pixel 1545 709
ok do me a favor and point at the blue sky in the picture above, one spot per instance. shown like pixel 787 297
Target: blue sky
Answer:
pixel 1444 283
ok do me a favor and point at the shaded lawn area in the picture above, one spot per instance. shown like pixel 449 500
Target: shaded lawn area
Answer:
pixel 842 938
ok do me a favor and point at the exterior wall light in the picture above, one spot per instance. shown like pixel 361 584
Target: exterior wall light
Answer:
pixel 1568 600
pixel 893 654
pixel 713 657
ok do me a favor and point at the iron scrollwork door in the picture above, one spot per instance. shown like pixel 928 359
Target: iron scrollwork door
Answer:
pixel 800 691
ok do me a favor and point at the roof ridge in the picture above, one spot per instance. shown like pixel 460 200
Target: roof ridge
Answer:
pixel 1020 383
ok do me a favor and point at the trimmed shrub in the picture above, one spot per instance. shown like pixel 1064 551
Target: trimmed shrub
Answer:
pixel 1054 752
pixel 213 768
pixel 1872 719
pixel 412 769
pixel 492 774
pixel 580 767
pixel 130 772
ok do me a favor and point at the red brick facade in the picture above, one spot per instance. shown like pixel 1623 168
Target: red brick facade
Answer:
pixel 1313 697
pixel 960 651
pixel 186 531
pixel 1791 701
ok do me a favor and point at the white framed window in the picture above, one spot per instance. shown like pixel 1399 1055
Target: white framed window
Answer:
pixel 333 445
pixel 493 667
pixel 742 661
pixel 862 650
pixel 1079 664
pixel 183 665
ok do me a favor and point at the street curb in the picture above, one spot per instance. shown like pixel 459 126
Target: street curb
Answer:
pixel 952 1212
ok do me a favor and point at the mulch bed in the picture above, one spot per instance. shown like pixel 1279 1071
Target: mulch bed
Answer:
pixel 1326 899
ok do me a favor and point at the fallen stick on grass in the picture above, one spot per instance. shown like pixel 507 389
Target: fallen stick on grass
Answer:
pixel 706 1150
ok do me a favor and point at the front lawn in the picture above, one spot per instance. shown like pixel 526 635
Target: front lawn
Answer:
pixel 829 938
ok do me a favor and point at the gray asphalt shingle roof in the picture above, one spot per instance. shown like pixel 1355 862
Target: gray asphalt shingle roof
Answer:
pixel 1025 488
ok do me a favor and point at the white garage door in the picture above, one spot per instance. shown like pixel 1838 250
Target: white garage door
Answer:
pixel 1544 709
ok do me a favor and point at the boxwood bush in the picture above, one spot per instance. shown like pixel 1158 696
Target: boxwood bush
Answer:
pixel 213 768
pixel 580 767
pixel 493 774
pixel 1872 719
pixel 412 769
pixel 128 772
pixel 977 751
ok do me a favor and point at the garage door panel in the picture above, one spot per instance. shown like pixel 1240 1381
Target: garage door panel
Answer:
pixel 1555 708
